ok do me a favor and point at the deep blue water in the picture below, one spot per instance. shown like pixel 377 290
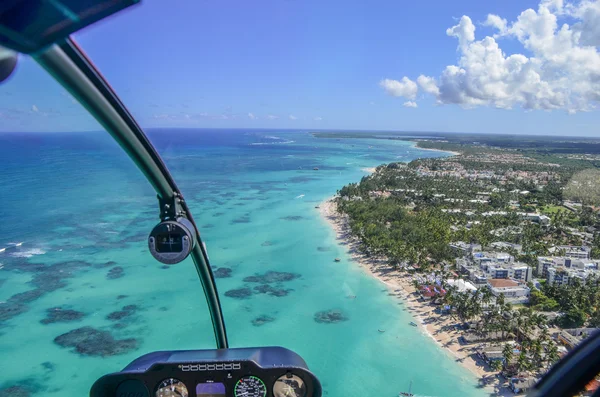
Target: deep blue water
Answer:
pixel 82 212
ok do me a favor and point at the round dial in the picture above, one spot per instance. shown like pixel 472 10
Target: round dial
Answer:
pixel 171 388
pixel 250 386
pixel 289 385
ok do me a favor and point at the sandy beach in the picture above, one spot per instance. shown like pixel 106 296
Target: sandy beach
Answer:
pixel 437 150
pixel 438 327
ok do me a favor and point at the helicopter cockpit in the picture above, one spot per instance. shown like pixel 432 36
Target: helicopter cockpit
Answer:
pixel 42 29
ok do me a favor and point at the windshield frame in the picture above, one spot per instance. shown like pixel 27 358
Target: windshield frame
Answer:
pixel 70 67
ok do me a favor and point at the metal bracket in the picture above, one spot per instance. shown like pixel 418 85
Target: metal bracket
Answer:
pixel 171 209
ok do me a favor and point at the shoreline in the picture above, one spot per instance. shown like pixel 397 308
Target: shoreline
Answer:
pixel 438 327
pixel 452 153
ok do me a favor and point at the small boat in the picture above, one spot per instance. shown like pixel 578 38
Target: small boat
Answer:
pixel 316 168
pixel 337 259
pixel 317 207
pixel 381 330
pixel 407 394
pixel 413 323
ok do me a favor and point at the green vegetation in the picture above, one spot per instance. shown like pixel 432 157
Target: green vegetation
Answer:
pixel 584 186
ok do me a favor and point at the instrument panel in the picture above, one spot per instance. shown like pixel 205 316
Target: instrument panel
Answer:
pixel 247 372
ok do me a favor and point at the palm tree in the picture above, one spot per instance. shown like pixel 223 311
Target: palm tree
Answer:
pixel 507 353
pixel 496 365
pixel 552 355
pixel 523 363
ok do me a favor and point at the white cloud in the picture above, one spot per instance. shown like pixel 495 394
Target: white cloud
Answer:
pixel 318 118
pixel 34 108
pixel 406 87
pixel 496 22
pixel 428 84
pixel 410 104
pixel 292 117
pixel 251 116
pixel 560 71
pixel 272 117
pixel 464 31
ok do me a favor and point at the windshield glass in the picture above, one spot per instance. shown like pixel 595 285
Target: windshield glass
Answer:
pixel 78 286
pixel 411 213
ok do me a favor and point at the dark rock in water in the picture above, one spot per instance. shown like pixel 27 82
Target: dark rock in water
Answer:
pixel 207 226
pixel 60 315
pixel 119 326
pixel 121 314
pixel 27 296
pixel 105 264
pixel 292 218
pixel 9 310
pixel 88 341
pixel 271 277
pixel 222 272
pixel 163 309
pixel 267 244
pixel 121 296
pixel 115 272
pixel 323 249
pixel 330 317
pixel 15 391
pixel 267 289
pixel 262 320
pixel 216 214
pixel 240 293
pixel 165 267
pixel 48 366
pixel 241 219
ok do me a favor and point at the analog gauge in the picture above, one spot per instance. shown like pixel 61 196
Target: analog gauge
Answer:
pixel 171 388
pixel 250 386
pixel 289 385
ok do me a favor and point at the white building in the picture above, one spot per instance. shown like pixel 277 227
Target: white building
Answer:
pixel 572 251
pixel 513 291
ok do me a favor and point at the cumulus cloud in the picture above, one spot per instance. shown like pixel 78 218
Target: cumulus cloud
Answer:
pixel 251 116
pixel 410 104
pixel 34 108
pixel 561 70
pixel 272 117
pixel 318 118
pixel 405 87
pixel 292 117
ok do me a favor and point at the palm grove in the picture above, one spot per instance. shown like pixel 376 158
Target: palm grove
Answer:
pixel 411 217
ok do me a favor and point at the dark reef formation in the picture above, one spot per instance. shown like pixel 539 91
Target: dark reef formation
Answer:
pixel 115 272
pixel 330 316
pixel 60 315
pixel 292 218
pixel 88 341
pixel 222 272
pixel 240 293
pixel 262 320
pixel 267 289
pixel 126 311
pixel 241 219
pixel 271 277
pixel 9 310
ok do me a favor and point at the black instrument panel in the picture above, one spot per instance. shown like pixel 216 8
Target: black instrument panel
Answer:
pixel 247 372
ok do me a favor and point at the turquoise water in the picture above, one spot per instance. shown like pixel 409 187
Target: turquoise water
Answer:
pixel 82 212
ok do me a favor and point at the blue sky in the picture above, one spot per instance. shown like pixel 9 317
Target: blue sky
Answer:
pixel 308 64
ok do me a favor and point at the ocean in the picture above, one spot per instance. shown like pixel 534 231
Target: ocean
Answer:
pixel 76 214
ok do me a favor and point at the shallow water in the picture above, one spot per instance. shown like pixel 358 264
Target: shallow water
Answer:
pixel 82 212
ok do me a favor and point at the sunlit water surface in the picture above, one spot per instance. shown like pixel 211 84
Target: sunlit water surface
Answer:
pixel 82 212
